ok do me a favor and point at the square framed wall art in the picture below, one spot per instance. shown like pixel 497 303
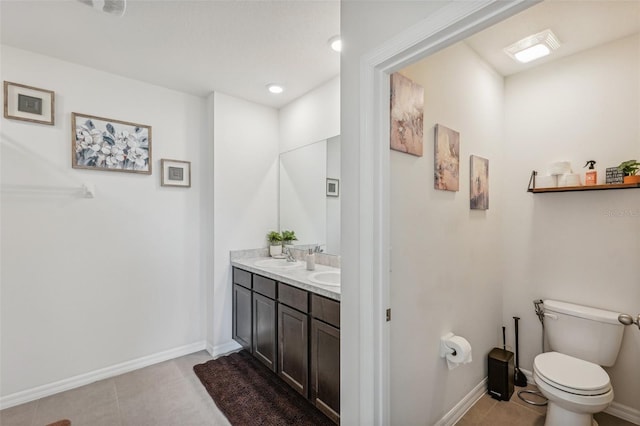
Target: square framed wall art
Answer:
pixel 175 173
pixel 28 103
pixel 99 143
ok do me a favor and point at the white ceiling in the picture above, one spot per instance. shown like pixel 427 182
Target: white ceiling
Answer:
pixel 235 47
pixel 238 47
pixel 579 25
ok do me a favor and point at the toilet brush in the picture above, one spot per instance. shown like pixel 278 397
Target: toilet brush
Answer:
pixel 519 379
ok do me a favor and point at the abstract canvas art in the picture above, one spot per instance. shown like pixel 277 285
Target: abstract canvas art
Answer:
pixel 479 183
pixel 446 159
pixel 407 115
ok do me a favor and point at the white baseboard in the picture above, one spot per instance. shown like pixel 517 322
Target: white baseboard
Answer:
pixel 93 376
pixel 223 349
pixel 625 413
pixel 461 408
pixel 615 409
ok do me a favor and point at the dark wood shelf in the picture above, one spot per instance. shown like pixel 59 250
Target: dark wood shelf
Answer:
pixel 586 188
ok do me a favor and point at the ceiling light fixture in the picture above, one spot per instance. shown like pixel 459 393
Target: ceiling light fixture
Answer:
pixel 335 43
pixel 533 47
pixel 275 88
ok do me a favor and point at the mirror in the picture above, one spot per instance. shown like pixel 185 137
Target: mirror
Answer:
pixel 309 204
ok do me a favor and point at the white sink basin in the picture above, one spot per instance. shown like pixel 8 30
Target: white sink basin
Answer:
pixel 277 263
pixel 325 278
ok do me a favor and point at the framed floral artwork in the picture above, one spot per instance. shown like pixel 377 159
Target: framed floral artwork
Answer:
pixel 99 143
pixel 28 103
pixel 175 173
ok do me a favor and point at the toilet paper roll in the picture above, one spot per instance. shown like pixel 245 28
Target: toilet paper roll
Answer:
pixel 559 168
pixel 462 354
pixel 569 179
pixel 546 181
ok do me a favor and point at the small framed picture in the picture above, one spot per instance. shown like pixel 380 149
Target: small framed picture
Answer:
pixel 28 103
pixel 176 173
pixel 333 187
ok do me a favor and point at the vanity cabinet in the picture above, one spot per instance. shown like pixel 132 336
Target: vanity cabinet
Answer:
pixel 264 326
pixel 242 306
pixel 325 356
pixel 294 332
pixel 293 337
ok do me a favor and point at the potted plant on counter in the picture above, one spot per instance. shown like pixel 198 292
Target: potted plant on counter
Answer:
pixel 275 243
pixel 288 237
pixel 630 169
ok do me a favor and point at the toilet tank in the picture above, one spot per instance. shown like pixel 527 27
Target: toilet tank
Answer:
pixel 583 332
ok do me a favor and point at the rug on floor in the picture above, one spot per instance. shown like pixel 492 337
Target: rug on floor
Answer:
pixel 64 422
pixel 248 393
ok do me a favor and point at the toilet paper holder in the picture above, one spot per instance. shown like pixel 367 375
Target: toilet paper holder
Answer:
pixel 444 349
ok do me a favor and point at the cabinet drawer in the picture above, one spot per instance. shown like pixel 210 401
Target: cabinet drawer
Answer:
pixel 242 278
pixel 326 310
pixel 294 297
pixel 264 286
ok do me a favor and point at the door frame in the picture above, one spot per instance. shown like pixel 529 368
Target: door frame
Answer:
pixel 453 22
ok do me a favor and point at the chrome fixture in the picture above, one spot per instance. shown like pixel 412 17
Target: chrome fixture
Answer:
pixel 289 253
pixel 627 319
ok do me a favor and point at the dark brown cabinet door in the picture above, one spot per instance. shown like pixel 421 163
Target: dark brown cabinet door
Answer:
pixel 293 348
pixel 264 330
pixel 325 369
pixel 242 316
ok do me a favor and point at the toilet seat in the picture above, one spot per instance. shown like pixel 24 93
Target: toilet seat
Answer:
pixel 572 375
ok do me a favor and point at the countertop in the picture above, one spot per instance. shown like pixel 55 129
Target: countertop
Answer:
pixel 296 277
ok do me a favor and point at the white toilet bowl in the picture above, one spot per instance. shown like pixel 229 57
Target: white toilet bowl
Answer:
pixel 576 389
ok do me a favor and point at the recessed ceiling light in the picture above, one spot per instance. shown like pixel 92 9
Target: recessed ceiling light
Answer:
pixel 335 43
pixel 533 47
pixel 275 88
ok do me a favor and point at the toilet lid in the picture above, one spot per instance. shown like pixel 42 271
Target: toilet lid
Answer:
pixel 572 374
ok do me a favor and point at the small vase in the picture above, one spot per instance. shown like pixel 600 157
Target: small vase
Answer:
pixel 275 250
pixel 632 179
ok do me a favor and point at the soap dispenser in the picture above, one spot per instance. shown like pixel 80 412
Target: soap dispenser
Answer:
pixel 311 260
pixel 591 175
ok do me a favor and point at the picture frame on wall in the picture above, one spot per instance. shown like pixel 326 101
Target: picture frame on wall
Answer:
pixel 333 187
pixel 446 159
pixel 99 143
pixel 27 103
pixel 175 173
pixel 478 183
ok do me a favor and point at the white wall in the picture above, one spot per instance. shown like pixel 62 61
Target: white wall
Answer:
pixel 445 262
pixel 579 247
pixel 312 117
pixel 89 283
pixel 245 193
pixel 364 25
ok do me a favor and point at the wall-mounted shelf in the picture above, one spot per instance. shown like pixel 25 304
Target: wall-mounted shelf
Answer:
pixel 532 188
pixel 586 188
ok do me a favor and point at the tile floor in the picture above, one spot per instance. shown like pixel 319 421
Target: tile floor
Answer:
pixel 491 412
pixel 170 394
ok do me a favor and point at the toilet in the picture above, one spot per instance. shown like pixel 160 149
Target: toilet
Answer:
pixel 582 339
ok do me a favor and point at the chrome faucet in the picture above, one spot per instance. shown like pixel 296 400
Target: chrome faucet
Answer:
pixel 289 253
